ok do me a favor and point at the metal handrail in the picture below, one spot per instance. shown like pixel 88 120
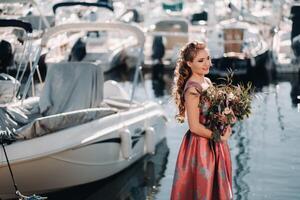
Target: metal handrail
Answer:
pixel 92 26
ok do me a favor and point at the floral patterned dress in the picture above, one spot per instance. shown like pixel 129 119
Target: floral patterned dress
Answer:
pixel 203 168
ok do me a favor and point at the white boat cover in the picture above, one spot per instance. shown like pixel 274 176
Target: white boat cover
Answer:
pixel 72 95
pixel 71 86
pixel 15 115
pixel 54 123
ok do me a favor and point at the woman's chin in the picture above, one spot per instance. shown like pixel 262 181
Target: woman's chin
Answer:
pixel 206 72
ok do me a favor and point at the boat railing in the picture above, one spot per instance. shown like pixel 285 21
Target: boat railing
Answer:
pixel 27 53
pixel 92 26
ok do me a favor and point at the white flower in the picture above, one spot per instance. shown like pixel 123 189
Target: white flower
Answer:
pixel 204 86
pixel 231 96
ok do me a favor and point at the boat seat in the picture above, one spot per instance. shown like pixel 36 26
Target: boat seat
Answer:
pixel 71 86
pixel 50 124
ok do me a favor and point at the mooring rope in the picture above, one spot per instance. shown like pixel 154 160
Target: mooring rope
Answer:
pixel 18 193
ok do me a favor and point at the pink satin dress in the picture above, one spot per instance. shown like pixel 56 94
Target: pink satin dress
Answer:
pixel 203 168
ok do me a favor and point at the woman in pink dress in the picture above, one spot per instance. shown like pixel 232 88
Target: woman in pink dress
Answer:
pixel 203 168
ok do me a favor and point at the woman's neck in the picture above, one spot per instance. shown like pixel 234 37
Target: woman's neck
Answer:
pixel 197 77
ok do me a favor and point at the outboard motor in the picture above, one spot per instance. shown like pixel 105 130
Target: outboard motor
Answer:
pixel 158 48
pixel 6 56
pixel 78 51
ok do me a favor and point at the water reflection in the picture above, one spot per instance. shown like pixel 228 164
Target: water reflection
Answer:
pixel 260 77
pixel 140 181
pixel 295 92
pixel 158 83
pixel 242 189
pixel 294 80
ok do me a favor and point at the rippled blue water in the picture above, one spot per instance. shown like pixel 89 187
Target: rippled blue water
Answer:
pixel 265 149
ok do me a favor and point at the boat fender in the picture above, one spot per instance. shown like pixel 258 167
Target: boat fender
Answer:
pixel 149 140
pixel 126 143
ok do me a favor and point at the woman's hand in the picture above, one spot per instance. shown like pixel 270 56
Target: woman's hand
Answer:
pixel 226 133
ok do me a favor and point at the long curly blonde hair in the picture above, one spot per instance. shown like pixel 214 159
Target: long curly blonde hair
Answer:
pixel 182 73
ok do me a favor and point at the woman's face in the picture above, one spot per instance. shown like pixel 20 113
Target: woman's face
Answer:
pixel 201 63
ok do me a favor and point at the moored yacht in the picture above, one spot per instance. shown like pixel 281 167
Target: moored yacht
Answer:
pixel 80 129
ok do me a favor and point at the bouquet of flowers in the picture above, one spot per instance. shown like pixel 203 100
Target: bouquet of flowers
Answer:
pixel 224 104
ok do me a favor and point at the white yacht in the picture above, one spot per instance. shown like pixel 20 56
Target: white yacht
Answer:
pixel 80 129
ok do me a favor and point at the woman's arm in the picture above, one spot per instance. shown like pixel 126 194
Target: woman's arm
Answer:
pixel 191 104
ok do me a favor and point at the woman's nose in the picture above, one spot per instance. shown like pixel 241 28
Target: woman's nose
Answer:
pixel 208 62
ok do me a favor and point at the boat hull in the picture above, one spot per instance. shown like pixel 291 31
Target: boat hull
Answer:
pixel 98 156
pixel 237 65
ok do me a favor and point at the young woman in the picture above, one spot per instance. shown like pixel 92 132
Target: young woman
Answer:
pixel 203 168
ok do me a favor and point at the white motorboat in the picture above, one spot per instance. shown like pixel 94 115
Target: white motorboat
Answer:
pixel 236 45
pixel 81 129
pixel 108 48
pixel 285 46
pixel 168 29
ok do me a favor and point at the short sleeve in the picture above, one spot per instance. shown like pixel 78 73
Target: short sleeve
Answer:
pixel 192 91
pixel 192 85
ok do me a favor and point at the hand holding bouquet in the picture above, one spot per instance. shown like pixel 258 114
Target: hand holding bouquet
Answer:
pixel 225 104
